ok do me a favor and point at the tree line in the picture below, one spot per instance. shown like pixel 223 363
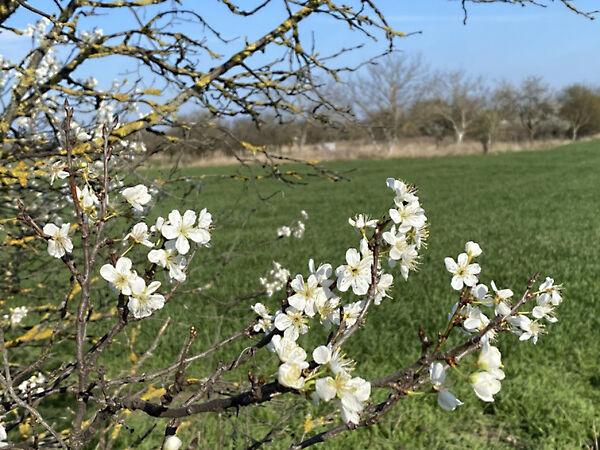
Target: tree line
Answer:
pixel 400 97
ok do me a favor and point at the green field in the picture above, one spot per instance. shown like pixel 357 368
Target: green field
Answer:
pixel 530 211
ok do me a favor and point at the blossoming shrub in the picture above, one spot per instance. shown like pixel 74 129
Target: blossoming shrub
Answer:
pixel 327 304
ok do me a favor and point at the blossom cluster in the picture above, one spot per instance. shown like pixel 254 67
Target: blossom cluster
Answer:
pixel 173 238
pixel 275 280
pixel 296 229
pixel 338 298
pixel 473 311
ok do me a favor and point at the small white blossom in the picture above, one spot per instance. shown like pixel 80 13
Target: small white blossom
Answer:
pixel 464 274
pixel 531 329
pixel 168 258
pixel 351 312
pixel 490 360
pixel 475 320
pixel 180 229
pixel 288 350
pixel 353 393
pixel 402 191
pixel 59 243
pixel 172 443
pixel 446 399
pixel 3 437
pixel 306 294
pixel 408 216
pixel 57 171
pixel 385 283
pixel 284 231
pixel 137 196
pixel 120 276
pixel 356 274
pixel 139 234
pixel 362 221
pixel 265 320
pixel 485 385
pixel 275 280
pixel 550 293
pixel 87 198
pixel 290 374
pixel 473 249
pixel 33 384
pixel 292 322
pixel 143 300
pixel 336 360
pixel 18 314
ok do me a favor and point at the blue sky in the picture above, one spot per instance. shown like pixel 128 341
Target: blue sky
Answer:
pixel 498 42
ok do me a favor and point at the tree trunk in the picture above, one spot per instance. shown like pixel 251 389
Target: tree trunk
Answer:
pixel 574 133
pixel 460 135
pixel 487 143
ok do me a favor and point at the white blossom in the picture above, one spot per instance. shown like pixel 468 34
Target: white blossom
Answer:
pixel 306 294
pixel 402 191
pixel 288 350
pixel 485 385
pixel 265 320
pixel 446 399
pixel 168 258
pixel 473 249
pixel 550 293
pixel 351 312
pixel 337 361
pixel 362 221
pixel 464 273
pixel 356 274
pixel 143 300
pixel 275 280
pixel 57 170
pixel 408 216
pixel 181 228
pixel 290 374
pixel 120 276
pixel 172 442
pixel 530 329
pixel 475 320
pixel 490 360
pixel 284 231
pixel 3 437
pixel 385 283
pixel 353 393
pixel 292 322
pixel 59 243
pixel 33 384
pixel 137 196
pixel 139 234
pixel 18 314
pixel 87 198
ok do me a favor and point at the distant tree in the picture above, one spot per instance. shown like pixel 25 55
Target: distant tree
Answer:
pixel 462 99
pixel 384 94
pixel 531 104
pixel 579 105
pixel 426 121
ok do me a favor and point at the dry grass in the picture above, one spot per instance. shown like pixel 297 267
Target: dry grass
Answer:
pixel 347 150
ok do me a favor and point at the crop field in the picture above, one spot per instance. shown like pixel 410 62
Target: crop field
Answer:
pixel 531 212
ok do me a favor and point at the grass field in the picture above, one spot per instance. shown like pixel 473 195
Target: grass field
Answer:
pixel 530 212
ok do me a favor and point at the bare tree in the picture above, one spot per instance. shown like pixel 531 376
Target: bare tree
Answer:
pixel 385 93
pixel 531 104
pixel 462 98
